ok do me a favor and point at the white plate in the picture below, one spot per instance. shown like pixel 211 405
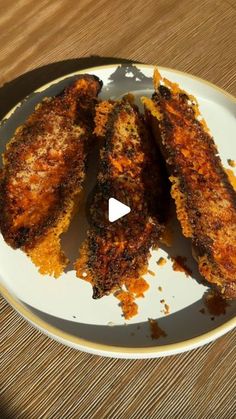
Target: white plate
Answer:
pixel 64 308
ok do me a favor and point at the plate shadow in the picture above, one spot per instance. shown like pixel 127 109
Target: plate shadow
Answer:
pixel 15 90
pixel 178 327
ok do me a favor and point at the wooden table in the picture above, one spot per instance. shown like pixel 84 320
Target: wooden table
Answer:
pixel 41 40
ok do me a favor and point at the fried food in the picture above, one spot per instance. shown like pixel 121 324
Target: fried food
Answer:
pixel 43 173
pixel 117 254
pixel 205 200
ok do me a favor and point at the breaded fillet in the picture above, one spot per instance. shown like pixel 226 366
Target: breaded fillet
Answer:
pixel 43 172
pixel 117 253
pixel 205 199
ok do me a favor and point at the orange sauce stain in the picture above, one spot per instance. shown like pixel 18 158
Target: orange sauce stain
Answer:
pixel 156 331
pixel 214 303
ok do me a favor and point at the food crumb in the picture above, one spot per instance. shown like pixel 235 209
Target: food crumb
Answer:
pixel 160 289
pixel 137 286
pixel 127 303
pixel 74 317
pixel 151 272
pixel 167 309
pixel 212 318
pixel 231 162
pixel 161 261
pixel 214 303
pixel 232 177
pixel 162 301
pixel 179 264
pixel 156 331
pixel 202 310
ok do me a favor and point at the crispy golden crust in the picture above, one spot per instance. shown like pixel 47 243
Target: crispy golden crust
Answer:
pixel 117 253
pixel 205 199
pixel 43 173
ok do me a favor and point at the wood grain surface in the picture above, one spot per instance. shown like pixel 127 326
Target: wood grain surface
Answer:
pixel 41 40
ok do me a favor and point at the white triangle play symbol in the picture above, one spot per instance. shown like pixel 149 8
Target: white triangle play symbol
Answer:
pixel 116 209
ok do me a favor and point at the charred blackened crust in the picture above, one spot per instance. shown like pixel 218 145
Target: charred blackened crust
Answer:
pixel 44 165
pixel 205 199
pixel 115 252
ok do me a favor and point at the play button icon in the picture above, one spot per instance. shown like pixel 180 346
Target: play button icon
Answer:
pixel 116 209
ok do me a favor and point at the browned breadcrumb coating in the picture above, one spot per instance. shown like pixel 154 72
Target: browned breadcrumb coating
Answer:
pixel 127 303
pixel 117 253
pixel 44 167
pixel 205 199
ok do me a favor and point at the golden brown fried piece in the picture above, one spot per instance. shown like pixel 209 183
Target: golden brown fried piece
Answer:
pixel 117 253
pixel 205 199
pixel 43 172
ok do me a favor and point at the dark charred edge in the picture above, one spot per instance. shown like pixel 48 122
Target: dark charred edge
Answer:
pixel 202 246
pixel 207 138
pixel 105 188
pixel 159 210
pixel 25 238
pixel 86 102
pixel 170 153
pixel 85 76
pixel 114 282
